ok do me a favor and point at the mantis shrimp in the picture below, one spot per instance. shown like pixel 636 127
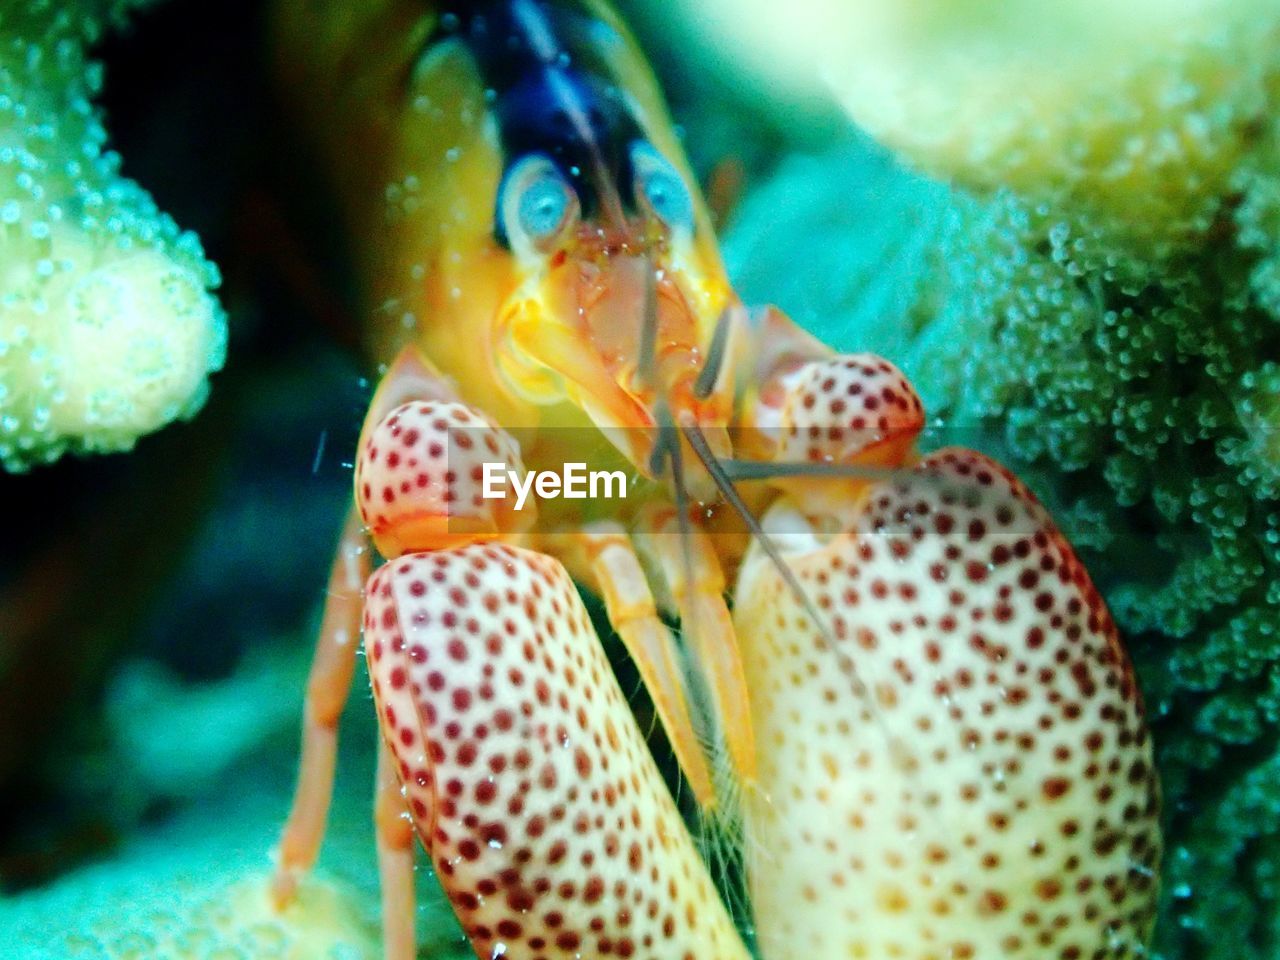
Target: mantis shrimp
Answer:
pixel 914 704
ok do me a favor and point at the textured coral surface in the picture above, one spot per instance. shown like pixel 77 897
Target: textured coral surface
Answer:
pixel 1138 115
pixel 195 887
pixel 108 326
pixel 197 891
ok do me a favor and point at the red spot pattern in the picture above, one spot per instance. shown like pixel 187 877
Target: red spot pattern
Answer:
pixel 529 783
pixel 959 766
pixel 426 459
pixel 837 408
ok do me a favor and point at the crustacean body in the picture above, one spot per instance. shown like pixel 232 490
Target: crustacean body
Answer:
pixel 916 708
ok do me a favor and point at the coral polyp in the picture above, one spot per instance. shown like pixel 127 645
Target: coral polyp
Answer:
pixel 109 327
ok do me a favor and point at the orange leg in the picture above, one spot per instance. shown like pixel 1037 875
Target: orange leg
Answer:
pixel 395 861
pixel 328 686
pixel 619 579
pixel 691 568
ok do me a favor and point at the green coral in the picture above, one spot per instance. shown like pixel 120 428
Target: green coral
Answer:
pixel 108 326
pixel 1141 397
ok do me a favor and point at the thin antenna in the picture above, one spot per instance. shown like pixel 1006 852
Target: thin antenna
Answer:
pixel 698 443
pixel 768 470
pixel 710 371
pixel 666 451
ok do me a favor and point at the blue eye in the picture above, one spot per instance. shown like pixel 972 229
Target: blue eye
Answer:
pixel 543 204
pixel 659 186
pixel 537 204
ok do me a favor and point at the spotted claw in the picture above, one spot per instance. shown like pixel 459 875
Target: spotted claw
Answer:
pixel 524 773
pixel 527 779
pixel 953 759
pixel 419 478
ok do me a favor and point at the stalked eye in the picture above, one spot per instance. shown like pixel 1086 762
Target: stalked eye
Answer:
pixel 661 188
pixel 537 205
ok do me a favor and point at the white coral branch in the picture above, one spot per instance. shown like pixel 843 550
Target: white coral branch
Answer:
pixel 109 327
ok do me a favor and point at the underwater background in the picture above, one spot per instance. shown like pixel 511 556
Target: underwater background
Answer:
pixel 1109 330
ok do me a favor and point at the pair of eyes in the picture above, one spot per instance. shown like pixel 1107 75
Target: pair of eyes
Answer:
pixel 538 203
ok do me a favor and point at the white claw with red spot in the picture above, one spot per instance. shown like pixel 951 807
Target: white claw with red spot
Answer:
pixel 529 783
pixel 844 408
pixel 524 773
pixel 954 762
pixel 419 477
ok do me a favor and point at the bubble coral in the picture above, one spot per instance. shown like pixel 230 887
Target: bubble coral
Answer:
pixel 1119 340
pixel 108 324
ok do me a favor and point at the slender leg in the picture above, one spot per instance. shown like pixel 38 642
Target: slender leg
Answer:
pixel 692 569
pixel 328 686
pixel 621 582
pixel 395 861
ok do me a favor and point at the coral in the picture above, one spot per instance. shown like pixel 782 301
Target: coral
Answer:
pixel 208 726
pixel 855 288
pixel 197 890
pixel 196 886
pixel 108 324
pixel 1138 395
pixel 1135 116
